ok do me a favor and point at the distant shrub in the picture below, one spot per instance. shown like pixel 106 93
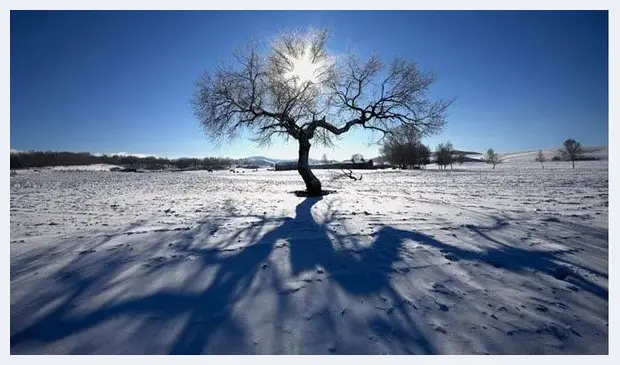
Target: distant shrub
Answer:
pixel 540 157
pixel 587 158
pixel 492 157
pixel 444 155
pixel 572 150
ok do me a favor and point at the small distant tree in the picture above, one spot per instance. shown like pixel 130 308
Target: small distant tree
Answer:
pixel 572 150
pixel 357 158
pixel 436 155
pixel 324 159
pixel 492 157
pixel 541 158
pixel 449 153
pixel 425 155
pixel 402 147
pixel 389 152
pixel 460 158
pixel 444 154
pixel 439 156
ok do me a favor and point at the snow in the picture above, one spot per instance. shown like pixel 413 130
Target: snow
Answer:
pixel 93 167
pixel 471 261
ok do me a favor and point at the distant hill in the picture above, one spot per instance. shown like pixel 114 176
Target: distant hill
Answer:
pixel 262 161
pixel 593 152
pixel 467 153
pixel 589 152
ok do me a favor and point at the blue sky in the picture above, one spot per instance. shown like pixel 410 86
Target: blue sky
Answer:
pixel 108 82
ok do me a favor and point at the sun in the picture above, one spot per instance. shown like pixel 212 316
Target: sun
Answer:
pixel 304 68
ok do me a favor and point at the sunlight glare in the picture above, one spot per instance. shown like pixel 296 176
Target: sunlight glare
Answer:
pixel 304 69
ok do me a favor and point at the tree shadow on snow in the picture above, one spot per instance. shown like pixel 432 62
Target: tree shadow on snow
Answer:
pixel 200 310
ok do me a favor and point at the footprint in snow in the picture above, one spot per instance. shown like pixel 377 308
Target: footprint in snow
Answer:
pixel 290 290
pixel 541 308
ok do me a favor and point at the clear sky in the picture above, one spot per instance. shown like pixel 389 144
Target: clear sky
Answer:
pixel 107 82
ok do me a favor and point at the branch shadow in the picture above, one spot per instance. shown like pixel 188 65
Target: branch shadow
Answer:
pixel 199 312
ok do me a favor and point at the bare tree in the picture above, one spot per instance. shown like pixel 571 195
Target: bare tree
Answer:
pixel 449 154
pixel 293 88
pixel 324 159
pixel 461 158
pixel 492 157
pixel 391 149
pixel 424 155
pixel 444 154
pixel 572 150
pixel 439 157
pixel 540 158
pixel 402 147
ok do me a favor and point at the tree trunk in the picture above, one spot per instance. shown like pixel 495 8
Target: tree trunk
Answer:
pixel 573 161
pixel 543 166
pixel 313 185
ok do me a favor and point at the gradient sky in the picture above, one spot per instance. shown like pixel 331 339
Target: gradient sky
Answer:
pixel 107 82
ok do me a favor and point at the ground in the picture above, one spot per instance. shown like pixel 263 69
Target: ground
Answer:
pixel 471 261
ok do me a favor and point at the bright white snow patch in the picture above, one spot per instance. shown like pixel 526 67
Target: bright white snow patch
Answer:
pixel 93 167
pixel 126 154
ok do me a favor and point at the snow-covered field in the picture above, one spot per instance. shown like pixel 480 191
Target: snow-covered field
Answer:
pixel 526 157
pixel 471 261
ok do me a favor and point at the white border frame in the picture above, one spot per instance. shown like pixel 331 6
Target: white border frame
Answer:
pixel 614 38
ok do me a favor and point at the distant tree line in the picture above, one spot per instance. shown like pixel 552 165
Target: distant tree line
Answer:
pixel 34 159
pixel 404 149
